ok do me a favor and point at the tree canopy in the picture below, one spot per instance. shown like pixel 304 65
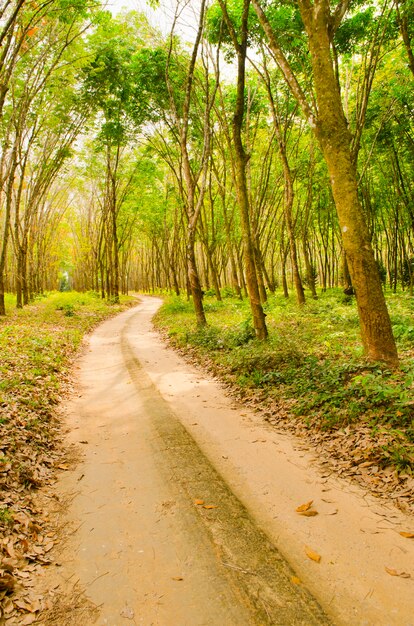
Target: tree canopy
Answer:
pixel 274 150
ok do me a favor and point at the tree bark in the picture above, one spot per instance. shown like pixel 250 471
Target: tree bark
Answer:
pixel 330 127
pixel 240 157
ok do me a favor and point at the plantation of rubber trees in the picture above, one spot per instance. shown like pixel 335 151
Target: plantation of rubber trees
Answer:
pixel 270 150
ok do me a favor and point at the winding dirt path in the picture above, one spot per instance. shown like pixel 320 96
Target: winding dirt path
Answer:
pixel 183 507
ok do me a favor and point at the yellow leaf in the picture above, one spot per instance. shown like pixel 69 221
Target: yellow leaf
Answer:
pixel 407 535
pixel 304 507
pixel 393 572
pixel 198 502
pixel 310 513
pixel 312 555
pixel 177 578
pixel 295 580
pixel 209 506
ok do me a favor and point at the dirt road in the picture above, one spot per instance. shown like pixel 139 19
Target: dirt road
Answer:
pixel 183 508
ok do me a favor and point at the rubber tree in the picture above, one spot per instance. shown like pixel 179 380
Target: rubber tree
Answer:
pixel 280 124
pixel 112 90
pixel 239 40
pixel 405 19
pixel 329 124
pixel 194 180
pixel 40 49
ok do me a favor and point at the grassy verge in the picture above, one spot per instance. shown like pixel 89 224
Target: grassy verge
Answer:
pixel 37 347
pixel 311 374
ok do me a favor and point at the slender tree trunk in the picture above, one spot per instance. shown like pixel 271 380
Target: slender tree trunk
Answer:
pixel 284 279
pixel 214 274
pixel 288 195
pixel 194 280
pixel 403 11
pixel 300 294
pixel 240 158
pixel 6 229
pixel 233 265
pixel 310 273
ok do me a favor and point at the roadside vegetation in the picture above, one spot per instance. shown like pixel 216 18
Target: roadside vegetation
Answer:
pixel 311 376
pixel 37 347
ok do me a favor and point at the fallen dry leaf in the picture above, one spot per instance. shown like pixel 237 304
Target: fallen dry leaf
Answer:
pixel 393 572
pixel 407 535
pixel 295 580
pixel 177 578
pixel 30 618
pixel 333 512
pixel 127 612
pixel 310 513
pixel 304 507
pixel 7 582
pixel 198 502
pixel 210 506
pixel 311 554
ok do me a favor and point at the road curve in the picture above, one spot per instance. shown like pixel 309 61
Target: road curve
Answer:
pixel 160 537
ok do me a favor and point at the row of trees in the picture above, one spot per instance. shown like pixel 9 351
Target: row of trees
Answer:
pixel 275 149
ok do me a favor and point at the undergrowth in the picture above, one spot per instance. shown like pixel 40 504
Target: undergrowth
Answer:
pixel 313 360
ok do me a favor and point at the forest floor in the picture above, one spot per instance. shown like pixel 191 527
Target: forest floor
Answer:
pixel 177 504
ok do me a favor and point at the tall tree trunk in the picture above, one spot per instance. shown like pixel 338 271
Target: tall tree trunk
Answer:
pixel 334 138
pixel 330 127
pixel 6 229
pixel 259 322
pixel 289 194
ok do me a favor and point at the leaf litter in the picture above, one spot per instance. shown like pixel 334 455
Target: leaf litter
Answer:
pixel 353 452
pixel 38 347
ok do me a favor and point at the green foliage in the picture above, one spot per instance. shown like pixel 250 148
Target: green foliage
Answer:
pixel 312 361
pixel 114 82
pixel 67 308
pixel 37 344
pixel 6 516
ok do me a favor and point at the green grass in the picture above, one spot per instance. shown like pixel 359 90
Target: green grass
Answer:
pixel 37 346
pixel 313 362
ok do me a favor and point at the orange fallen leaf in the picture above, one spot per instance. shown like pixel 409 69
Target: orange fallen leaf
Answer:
pixel 407 535
pixel 310 513
pixel 7 582
pixel 28 619
pixel 393 572
pixel 312 555
pixel 198 502
pixel 209 506
pixel 295 580
pixel 304 507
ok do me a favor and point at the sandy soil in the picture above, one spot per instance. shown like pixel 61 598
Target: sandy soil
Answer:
pixel 183 508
